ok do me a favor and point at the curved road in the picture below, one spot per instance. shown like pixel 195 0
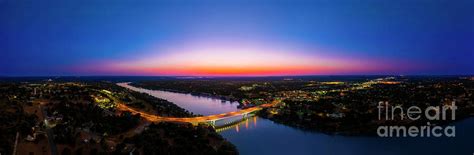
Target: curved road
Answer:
pixel 194 120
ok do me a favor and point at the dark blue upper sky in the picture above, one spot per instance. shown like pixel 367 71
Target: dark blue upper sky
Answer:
pixel 51 37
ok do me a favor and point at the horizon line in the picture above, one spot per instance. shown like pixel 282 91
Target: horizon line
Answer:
pixel 230 76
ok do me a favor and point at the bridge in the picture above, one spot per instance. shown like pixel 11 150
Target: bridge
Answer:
pixel 210 119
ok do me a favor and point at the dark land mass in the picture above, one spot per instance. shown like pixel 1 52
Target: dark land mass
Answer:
pixel 81 117
pixel 343 105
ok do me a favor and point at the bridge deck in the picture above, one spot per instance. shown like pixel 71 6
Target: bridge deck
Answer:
pixel 202 119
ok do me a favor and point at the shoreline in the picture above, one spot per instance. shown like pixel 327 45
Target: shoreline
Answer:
pixel 197 94
pixel 262 114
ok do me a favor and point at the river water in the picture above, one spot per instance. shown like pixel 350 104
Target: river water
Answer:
pixel 262 136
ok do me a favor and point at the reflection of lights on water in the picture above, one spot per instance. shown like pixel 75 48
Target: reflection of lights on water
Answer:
pixel 246 123
pixel 236 126
pixel 255 121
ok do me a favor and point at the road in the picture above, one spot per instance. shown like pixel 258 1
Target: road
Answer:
pixel 202 119
pixel 49 134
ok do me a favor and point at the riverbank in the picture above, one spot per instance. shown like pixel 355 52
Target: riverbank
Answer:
pixel 201 94
pixel 342 108
pixel 263 136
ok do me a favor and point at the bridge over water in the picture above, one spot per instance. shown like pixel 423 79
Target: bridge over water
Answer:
pixel 210 119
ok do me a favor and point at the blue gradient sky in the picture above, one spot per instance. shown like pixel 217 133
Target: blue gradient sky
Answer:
pixel 100 38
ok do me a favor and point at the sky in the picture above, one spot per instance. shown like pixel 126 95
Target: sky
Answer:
pixel 236 38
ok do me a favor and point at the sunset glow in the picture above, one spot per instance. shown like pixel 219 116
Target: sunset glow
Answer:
pixel 234 60
pixel 222 38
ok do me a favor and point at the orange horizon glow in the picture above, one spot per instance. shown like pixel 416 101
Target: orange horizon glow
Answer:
pixel 231 70
pixel 234 60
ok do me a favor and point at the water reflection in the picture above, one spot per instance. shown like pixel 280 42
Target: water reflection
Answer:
pixel 269 137
pixel 195 104
pixel 273 138
pixel 244 124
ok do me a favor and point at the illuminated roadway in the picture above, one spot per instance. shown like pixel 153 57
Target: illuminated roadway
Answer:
pixel 196 120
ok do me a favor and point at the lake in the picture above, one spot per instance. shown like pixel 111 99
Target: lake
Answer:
pixel 262 136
